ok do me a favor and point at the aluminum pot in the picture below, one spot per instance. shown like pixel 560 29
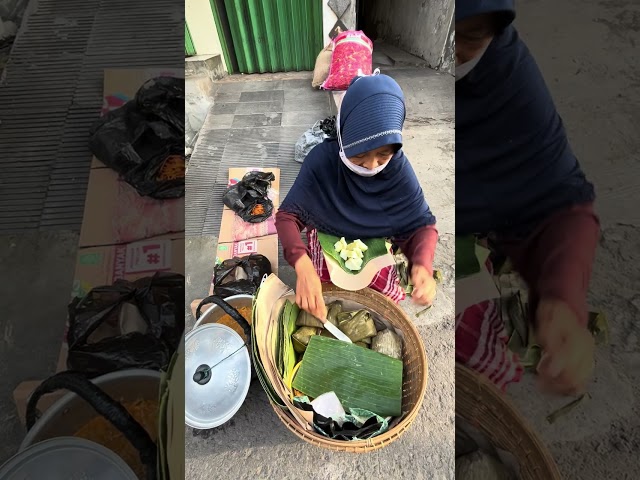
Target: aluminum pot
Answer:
pixel 62 458
pixel 105 395
pixel 215 313
pixel 226 306
pixel 225 348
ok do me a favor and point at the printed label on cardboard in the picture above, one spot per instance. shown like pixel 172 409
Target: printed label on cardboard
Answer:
pixel 148 256
pixel 246 247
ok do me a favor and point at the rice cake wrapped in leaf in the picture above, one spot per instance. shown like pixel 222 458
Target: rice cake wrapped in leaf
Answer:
pixel 301 337
pixel 359 327
pixel 362 344
pixel 387 343
pixel 326 333
pixel 333 310
pixel 305 319
pixel 344 316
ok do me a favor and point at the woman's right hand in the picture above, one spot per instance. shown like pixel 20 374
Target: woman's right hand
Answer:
pixel 309 289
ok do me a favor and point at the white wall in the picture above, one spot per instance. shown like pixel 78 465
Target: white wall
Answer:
pixel 202 27
pixel 420 27
pixel 329 19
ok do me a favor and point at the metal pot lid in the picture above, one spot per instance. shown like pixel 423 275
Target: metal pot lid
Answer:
pixel 217 375
pixel 63 458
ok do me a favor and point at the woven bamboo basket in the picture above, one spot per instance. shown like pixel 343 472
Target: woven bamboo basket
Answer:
pixel 414 382
pixel 481 404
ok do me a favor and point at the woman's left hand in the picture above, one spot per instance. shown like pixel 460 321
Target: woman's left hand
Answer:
pixel 567 363
pixel 424 285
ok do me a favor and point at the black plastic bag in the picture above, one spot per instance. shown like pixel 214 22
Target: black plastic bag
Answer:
pixel 346 431
pixel 138 138
pixel 249 192
pixel 127 325
pixel 328 126
pixel 240 276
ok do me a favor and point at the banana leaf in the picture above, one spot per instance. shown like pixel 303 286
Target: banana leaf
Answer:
pixel 599 327
pixel 552 417
pixel 289 354
pixel 517 316
pixel 286 326
pixel 377 248
pixel 532 357
pixel 467 263
pixel 262 375
pixel 361 378
pixel 279 338
pixel 359 327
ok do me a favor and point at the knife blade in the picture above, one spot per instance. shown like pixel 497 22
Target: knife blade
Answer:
pixel 333 330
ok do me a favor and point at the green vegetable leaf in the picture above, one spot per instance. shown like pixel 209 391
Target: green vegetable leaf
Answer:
pixel 377 248
pixel 361 378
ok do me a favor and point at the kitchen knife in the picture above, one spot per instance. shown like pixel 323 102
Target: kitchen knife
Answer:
pixel 333 330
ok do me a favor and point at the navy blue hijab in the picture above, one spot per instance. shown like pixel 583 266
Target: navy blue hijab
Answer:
pixel 331 198
pixel 514 165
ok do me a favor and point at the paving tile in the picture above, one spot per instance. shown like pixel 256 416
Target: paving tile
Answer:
pixel 257 120
pixel 225 107
pixel 303 118
pixel 262 96
pixel 259 107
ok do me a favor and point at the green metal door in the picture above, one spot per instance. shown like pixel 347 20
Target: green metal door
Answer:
pixel 275 35
pixel 189 49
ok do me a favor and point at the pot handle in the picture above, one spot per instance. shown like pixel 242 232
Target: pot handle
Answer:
pixel 106 406
pixel 228 309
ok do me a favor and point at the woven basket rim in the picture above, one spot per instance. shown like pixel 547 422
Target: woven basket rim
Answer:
pixel 382 440
pixel 486 402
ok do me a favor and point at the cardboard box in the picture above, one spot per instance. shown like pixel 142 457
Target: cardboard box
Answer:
pixel 22 393
pixel 120 85
pixel 103 265
pixel 115 213
pixel 267 246
pixel 232 227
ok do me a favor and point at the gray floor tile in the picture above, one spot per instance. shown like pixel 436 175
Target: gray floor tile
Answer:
pixel 257 120
pixel 262 96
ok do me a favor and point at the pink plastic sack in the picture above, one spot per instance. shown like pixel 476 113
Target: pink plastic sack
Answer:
pixel 352 52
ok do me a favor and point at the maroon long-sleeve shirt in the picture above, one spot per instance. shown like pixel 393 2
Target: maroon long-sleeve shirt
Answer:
pixel 419 248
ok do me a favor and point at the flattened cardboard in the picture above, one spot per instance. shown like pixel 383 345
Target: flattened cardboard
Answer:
pixel 234 229
pixel 115 213
pixel 24 390
pixel 103 265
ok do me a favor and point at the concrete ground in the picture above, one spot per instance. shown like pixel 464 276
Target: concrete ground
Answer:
pixel 255 444
pixel 587 51
pixel 37 271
